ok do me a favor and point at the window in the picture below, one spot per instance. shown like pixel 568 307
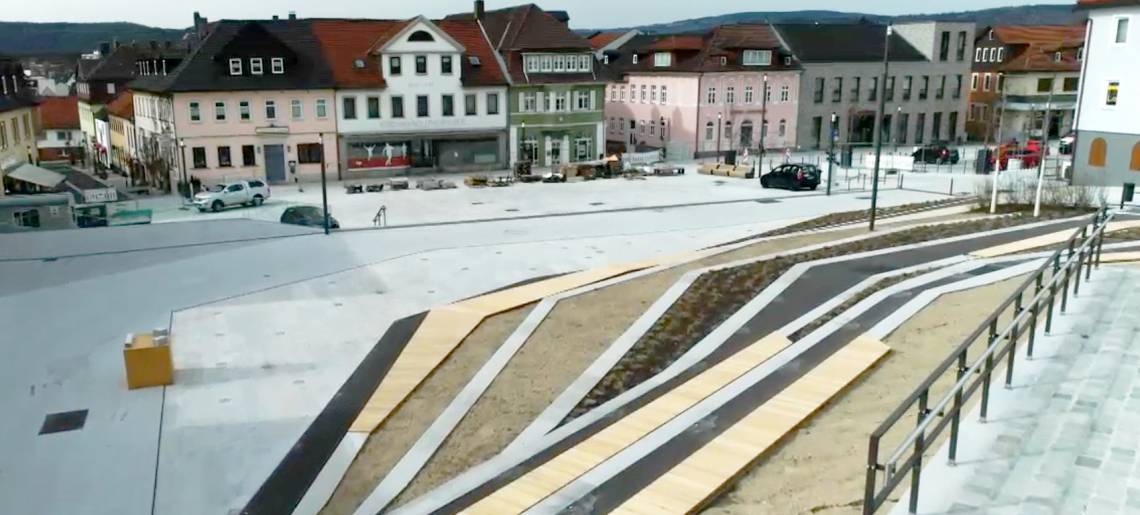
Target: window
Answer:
pixel 958 87
pixel 28 218
pixel 585 63
pixel 322 109
pixel 977 55
pixel 421 65
pixel 730 95
pixel 559 63
pixel 448 105
pixel 224 157
pixel 195 112
pixel 987 82
pixel 1000 54
pixel 422 106
pixel 394 66
pixel 920 128
pixel 562 100
pixel 782 128
pixel 243 110
pixel 837 92
pixel 529 102
pixel 1044 85
pixel 1081 54
pixel 255 66
pixel 953 132
pixel 295 109
pixel 247 157
pixel 1134 163
pixel 757 57
pixel 727 130
pixel 1122 30
pixel 62 136
pixel 270 110
pixel 653 93
pixel 785 92
pixel 652 127
pixel 373 107
pixel 348 105
pixel 622 97
pixel 1098 152
pixel 1070 83
pixel 308 153
pixel 3 135
pixel 709 131
pixel 548 63
pixel 582 149
pixel 199 156
pixel 470 105
pixel 855 89
pixel 220 111
pixel 936 127
pixel 922 93
pixel 747 94
pixel 711 98
pixel 819 84
pixel 1113 92
pixel 961 48
pixel 235 66
pixel 532 63
pixel 663 99
pixel 643 98
pixel 277 65
pixel 397 106
pixel 582 99
pixel 634 58
pixel 904 121
pixel 973 82
pixel 1000 85
pixel 420 36
pixel 613 93
pixel 944 46
pixel 908 82
pixel 662 59
pixel 445 64
pixel 941 91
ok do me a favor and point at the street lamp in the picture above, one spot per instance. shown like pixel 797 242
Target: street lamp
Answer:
pixel 879 119
pixel 718 116
pixel 763 121
pixel 831 136
pixel 895 133
pixel 324 189
pixel 185 179
pixel 522 140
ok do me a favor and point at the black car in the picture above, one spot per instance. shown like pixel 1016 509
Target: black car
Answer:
pixel 936 153
pixel 792 177
pixel 309 216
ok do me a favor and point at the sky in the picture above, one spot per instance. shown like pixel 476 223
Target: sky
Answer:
pixel 583 13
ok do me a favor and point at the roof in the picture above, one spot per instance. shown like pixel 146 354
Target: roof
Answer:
pixel 1057 35
pixel 1103 4
pixel 205 68
pixel 1033 47
pixel 120 63
pixel 123 106
pixel 28 172
pixel 850 42
pixel 59 113
pixel 601 39
pixel 528 27
pixel 14 102
pixel 671 42
pixel 720 50
pixel 343 42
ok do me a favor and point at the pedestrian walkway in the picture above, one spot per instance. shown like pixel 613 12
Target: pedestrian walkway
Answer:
pixel 1063 439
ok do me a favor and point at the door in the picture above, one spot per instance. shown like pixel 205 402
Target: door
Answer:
pixel 746 134
pixel 275 163
pixel 555 152
pixel 234 194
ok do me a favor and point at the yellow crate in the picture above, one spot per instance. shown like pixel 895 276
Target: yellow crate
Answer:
pixel 148 360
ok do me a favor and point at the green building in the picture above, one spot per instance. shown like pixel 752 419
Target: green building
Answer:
pixel 557 100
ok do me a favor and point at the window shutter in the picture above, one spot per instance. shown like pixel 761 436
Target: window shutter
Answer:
pixel 522 102
pixel 540 104
pixel 593 99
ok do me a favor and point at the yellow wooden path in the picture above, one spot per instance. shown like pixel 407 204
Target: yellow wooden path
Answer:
pixel 559 471
pixel 1053 238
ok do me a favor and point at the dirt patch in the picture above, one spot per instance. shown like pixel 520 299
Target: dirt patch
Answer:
pixel 821 467
pixel 389 443
pixel 847 217
pixel 881 284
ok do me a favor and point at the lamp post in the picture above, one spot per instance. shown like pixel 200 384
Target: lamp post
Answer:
pixel 879 121
pixel 324 189
pixel 997 159
pixel 763 122
pixel 831 136
pixel 185 179
pixel 1044 149
pixel 522 140
pixel 895 133
pixel 718 116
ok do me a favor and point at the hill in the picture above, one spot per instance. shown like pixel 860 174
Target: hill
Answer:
pixel 25 38
pixel 1022 15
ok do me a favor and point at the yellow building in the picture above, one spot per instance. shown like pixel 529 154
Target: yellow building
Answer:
pixel 121 116
pixel 17 123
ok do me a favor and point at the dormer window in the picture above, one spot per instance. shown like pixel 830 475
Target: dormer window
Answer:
pixel 358 64
pixel 1057 57
pixel 634 58
pixel 662 59
pixel 605 59
pixel 235 66
pixel 255 66
pixel 420 35
pixel 757 57
pixel 788 61
pixel 474 60
pixel 277 65
pixel 723 60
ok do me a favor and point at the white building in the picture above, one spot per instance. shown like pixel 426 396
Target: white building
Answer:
pixel 1107 148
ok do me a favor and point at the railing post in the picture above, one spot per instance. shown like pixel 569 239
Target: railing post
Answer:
pixel 919 447
pixel 1033 311
pixel 953 454
pixel 1099 246
pixel 1077 279
pixel 988 373
pixel 1017 309
pixel 1067 271
pixel 872 471
pixel 1089 258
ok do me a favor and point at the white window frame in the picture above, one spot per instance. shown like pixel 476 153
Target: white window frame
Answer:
pixel 974 81
pixel 277 65
pixel 585 63
pixel 547 63
pixel 643 98
pixel 270 104
pixel 1116 29
pixel 757 58
pixel 664 100
pixel 530 102
pixel 559 64
pixel 235 66
pixel 622 93
pixel 296 109
pixel 1000 54
pixel 110 88
pixel 220 116
pixel 195 111
pixel 662 59
pixel 978 55
pixel 748 97
pixel 784 93
pixel 256 66
pixel 653 94
pixel 533 63
pixel 245 114
pixel 710 95
pixel 730 95
pixel 322 109
pixel 987 82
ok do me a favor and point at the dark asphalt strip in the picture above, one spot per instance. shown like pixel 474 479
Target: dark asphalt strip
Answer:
pixel 804 294
pixel 289 482
pixel 613 492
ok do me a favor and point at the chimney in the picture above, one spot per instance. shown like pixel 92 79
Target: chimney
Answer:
pixel 480 9
pixel 276 18
pixel 292 15
pixel 104 48
pixel 153 45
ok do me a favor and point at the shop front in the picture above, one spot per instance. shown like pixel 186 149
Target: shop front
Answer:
pixel 369 155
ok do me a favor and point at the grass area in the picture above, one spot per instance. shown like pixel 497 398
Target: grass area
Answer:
pixel 715 296
pixel 859 215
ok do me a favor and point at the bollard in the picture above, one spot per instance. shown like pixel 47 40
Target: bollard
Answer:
pixel 951 187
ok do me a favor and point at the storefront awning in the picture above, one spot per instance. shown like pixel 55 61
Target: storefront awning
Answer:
pixel 36 175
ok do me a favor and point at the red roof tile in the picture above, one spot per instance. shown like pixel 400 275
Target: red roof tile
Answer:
pixel 678 43
pixel 1034 47
pixel 343 42
pixel 601 39
pixel 123 106
pixel 468 34
pixel 1040 34
pixel 59 113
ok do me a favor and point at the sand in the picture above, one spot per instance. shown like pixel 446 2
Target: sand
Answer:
pixel 389 443
pixel 821 468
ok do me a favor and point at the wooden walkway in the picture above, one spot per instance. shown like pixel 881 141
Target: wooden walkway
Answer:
pixel 1045 240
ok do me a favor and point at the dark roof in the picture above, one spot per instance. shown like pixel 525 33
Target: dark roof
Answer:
pixel 120 63
pixel 59 113
pixel 851 42
pixel 206 68
pixel 14 102
pixel 528 27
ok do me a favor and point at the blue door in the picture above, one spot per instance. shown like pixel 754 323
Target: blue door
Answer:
pixel 275 163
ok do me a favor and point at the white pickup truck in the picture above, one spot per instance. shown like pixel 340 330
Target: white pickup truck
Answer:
pixel 237 193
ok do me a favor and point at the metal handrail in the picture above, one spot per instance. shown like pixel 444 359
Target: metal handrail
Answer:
pixel 998 346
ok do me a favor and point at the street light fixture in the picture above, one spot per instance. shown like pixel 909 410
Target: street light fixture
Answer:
pixel 324 188
pixel 831 136
pixel 718 117
pixel 763 123
pixel 879 121
pixel 185 179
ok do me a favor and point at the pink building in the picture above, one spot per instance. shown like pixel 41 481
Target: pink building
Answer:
pixel 683 93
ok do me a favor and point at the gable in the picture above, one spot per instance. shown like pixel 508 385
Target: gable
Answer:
pixel 422 36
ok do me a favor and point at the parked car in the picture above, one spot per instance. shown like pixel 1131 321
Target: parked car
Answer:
pixel 309 216
pixel 1066 146
pixel 238 193
pixel 1029 158
pixel 792 177
pixel 936 153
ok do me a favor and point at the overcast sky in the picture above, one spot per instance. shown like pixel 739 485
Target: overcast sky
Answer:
pixel 583 13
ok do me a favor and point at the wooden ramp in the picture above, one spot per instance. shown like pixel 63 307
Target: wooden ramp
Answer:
pixel 559 471
pixel 445 327
pixel 1052 238
pixel 687 487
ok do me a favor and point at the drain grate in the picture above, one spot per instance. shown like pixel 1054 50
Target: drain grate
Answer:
pixel 862 198
pixel 64 421
pixel 767 201
pixel 597 203
pixel 512 210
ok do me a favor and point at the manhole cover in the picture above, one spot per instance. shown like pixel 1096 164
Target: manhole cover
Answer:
pixel 64 421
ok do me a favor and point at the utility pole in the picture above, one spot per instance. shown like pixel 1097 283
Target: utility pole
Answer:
pixel 718 123
pixel 324 188
pixel 763 123
pixel 832 136
pixel 1044 149
pixel 878 125
pixel 997 159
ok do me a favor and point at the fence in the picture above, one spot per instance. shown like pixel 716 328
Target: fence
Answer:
pixel 1049 281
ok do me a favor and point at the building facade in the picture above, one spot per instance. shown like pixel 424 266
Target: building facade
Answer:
pixel 255 100
pixel 415 94
pixel 17 120
pixel 59 136
pixel 732 89
pixel 1016 71
pixel 1107 150
pixel 121 119
pixel 925 90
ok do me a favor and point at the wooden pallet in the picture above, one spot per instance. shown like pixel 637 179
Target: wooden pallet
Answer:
pixel 559 471
pixel 687 487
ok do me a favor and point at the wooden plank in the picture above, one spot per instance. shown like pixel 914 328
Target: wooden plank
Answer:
pixel 731 453
pixel 1046 239
pixel 562 469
